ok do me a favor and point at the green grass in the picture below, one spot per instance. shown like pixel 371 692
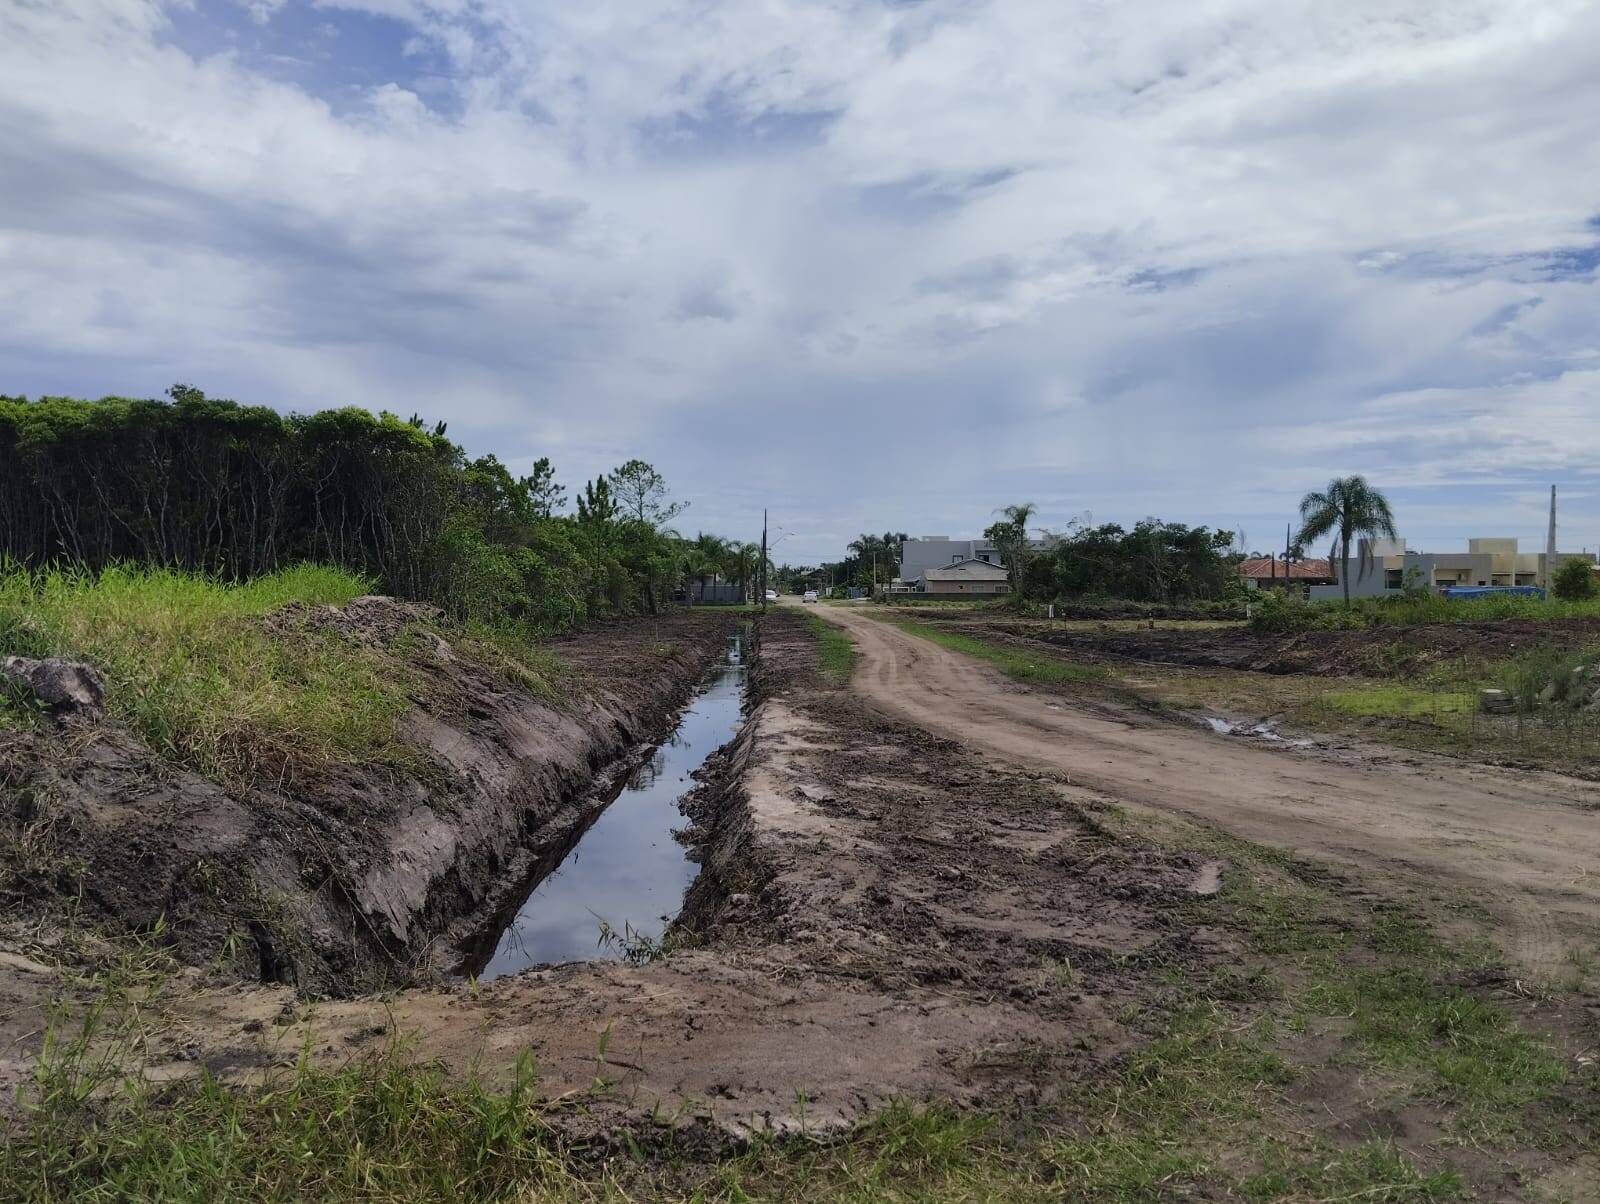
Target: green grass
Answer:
pixel 1275 615
pixel 1392 700
pixel 386 1130
pixel 1324 987
pixel 189 667
pixel 836 652
pixel 1024 665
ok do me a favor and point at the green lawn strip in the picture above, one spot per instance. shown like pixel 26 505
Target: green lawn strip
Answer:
pixel 1022 664
pixel 1394 700
pixel 836 652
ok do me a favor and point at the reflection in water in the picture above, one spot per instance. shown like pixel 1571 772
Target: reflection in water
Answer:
pixel 627 869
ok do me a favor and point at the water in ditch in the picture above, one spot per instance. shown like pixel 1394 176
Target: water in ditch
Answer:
pixel 626 869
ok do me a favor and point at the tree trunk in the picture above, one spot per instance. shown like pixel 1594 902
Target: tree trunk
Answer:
pixel 1344 567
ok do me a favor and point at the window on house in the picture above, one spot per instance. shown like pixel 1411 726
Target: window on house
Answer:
pixel 1393 578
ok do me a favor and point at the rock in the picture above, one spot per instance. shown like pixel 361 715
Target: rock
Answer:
pixel 64 687
pixel 1495 702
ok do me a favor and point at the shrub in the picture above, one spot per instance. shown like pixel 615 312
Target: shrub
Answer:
pixel 1565 674
pixel 1274 614
pixel 1574 581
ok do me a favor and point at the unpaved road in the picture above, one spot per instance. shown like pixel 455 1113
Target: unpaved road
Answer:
pixel 1526 847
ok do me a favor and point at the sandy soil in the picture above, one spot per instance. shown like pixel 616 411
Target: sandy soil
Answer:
pixel 1524 846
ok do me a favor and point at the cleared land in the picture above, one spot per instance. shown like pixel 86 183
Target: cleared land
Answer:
pixel 921 962
pixel 1519 844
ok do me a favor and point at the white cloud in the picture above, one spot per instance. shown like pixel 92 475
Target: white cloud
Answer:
pixel 1187 258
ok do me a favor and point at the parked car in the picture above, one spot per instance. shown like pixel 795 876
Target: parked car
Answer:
pixel 772 595
pixel 810 596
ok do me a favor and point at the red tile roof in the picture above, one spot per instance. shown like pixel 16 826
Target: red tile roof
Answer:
pixel 1265 567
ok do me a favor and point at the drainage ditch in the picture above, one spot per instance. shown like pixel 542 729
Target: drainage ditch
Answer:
pixel 619 881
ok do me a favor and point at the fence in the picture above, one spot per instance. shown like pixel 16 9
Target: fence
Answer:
pixel 1554 736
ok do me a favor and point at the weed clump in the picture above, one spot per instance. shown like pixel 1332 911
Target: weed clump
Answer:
pixel 189 666
pixel 836 654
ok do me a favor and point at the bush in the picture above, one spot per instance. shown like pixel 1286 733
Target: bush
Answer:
pixel 1574 581
pixel 1564 674
pixel 1274 614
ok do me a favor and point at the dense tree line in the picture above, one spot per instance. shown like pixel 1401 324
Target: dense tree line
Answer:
pixel 1154 562
pixel 234 491
pixel 870 560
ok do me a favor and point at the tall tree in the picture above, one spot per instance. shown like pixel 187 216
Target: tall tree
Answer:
pixel 544 495
pixel 1010 538
pixel 1350 509
pixel 595 504
pixel 641 493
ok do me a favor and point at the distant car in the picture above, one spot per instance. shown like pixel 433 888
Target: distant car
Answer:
pixel 772 595
pixel 810 596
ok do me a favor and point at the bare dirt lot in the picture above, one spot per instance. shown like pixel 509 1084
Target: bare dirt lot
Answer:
pixel 1405 652
pixel 1522 845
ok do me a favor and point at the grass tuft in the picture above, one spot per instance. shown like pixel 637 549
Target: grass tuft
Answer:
pixel 189 667
pixel 836 652
pixel 1013 662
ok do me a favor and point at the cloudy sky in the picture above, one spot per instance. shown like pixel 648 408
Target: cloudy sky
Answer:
pixel 872 263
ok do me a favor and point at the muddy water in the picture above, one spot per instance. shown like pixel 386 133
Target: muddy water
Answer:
pixel 626 870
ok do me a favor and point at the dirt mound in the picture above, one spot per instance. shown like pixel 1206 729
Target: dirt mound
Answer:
pixel 370 619
pixel 357 875
pixel 1375 652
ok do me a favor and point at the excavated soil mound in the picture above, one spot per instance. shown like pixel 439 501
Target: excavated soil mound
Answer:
pixel 358 875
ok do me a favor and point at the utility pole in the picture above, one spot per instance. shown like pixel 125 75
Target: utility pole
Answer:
pixel 1549 547
pixel 763 573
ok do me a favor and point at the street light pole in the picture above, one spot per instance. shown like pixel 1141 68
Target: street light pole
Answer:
pixel 763 561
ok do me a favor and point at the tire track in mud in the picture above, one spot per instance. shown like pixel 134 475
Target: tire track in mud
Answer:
pixel 1514 842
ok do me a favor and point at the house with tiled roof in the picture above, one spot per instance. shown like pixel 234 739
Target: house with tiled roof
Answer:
pixel 1267 572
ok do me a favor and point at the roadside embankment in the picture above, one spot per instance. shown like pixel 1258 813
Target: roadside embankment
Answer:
pixel 354 871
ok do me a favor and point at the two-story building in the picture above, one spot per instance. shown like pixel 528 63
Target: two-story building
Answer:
pixel 1387 566
pixel 940 552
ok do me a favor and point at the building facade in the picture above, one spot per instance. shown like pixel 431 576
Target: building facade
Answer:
pixel 966 578
pixel 1389 567
pixel 939 552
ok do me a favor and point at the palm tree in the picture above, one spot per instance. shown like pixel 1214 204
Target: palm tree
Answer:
pixel 1350 508
pixel 1010 538
pixel 708 555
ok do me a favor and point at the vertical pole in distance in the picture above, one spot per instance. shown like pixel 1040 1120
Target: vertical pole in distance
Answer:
pixel 763 560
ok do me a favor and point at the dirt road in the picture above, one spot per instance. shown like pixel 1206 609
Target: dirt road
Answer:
pixel 1525 847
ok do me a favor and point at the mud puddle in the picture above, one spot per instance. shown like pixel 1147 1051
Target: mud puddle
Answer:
pixel 626 873
pixel 1261 731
